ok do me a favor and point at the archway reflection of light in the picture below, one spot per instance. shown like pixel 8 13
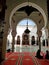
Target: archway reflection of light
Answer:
pixel 22 26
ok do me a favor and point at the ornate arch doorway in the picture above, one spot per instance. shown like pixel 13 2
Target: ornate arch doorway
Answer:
pixel 13 23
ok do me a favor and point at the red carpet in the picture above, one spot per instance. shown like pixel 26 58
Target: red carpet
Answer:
pixel 8 54
pixel 12 60
pixel 43 61
pixel 27 60
pixel 24 58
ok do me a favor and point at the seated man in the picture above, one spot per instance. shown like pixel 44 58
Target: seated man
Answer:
pixel 38 55
pixel 47 54
pixel 8 50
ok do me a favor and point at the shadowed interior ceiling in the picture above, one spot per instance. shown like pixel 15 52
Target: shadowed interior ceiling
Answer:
pixel 28 9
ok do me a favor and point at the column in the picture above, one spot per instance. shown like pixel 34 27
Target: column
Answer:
pixel 4 41
pixel 1 41
pixel 46 31
pixel 48 37
pixel 13 35
pixel 39 36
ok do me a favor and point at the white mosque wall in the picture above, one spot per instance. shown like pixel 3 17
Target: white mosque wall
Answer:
pixel 21 28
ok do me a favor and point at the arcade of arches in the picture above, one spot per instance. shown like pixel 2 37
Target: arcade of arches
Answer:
pixel 19 38
pixel 14 34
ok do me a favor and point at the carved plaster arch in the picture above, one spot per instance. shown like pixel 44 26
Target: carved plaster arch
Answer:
pixel 30 4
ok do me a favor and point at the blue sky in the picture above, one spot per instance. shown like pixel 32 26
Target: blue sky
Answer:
pixel 24 22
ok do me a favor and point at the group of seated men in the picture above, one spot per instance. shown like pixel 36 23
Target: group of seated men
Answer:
pixel 38 55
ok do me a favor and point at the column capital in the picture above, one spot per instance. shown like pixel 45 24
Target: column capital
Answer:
pixel 39 32
pixel 13 33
